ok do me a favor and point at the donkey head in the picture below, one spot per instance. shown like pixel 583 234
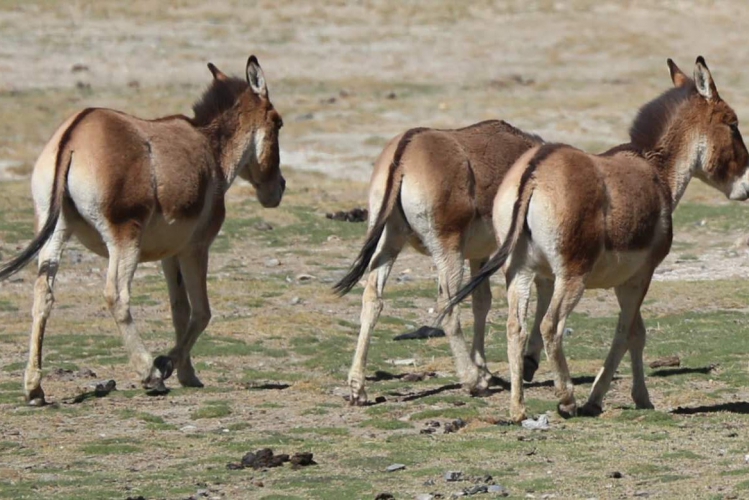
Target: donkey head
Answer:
pixel 255 139
pixel 724 156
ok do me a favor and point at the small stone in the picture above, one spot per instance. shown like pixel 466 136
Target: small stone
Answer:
pixel 395 467
pixel 746 458
pixel 188 428
pixel 615 475
pixel 385 496
pixel 669 361
pixel 453 475
pixel 391 95
pixel 498 489
pixel 475 490
pixel 568 332
pixel 295 301
pixel 263 226
pixel 541 424
pixel 272 263
pixel 429 482
pixel 454 426
pixel 425 496
pixel 304 278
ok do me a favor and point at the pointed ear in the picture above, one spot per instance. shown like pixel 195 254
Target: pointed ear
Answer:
pixel 217 73
pixel 703 80
pixel 677 76
pixel 256 78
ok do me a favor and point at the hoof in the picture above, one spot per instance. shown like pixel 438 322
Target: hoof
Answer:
pixel 192 381
pixel 358 397
pixel 165 365
pixel 155 387
pixel 530 365
pixel 567 410
pixel 518 416
pixel 645 406
pixel 35 397
pixel 590 410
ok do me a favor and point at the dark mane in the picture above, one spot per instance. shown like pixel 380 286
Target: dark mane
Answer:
pixel 220 96
pixel 654 117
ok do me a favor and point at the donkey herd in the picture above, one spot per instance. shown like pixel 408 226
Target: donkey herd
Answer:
pixel 547 214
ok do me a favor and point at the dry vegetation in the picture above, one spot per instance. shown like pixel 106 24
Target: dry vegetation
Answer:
pixel 347 76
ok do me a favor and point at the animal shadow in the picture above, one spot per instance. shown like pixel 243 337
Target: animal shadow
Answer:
pixel 581 380
pixel 682 371
pixel 740 407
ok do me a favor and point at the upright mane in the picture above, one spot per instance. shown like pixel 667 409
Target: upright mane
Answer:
pixel 219 97
pixel 654 118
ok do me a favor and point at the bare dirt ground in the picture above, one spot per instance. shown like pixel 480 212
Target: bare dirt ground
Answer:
pixel 347 76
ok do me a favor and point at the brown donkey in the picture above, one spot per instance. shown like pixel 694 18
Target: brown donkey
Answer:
pixel 571 220
pixel 434 189
pixel 143 190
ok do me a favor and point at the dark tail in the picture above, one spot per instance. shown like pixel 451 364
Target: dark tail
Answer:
pixel 62 165
pixel 389 201
pixel 519 213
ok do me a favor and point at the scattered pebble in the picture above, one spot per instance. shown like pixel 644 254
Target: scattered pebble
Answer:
pixel 497 489
pixel 541 424
pixel 453 475
pixel 395 467
pixel 304 278
pixel 425 496
pixel 403 362
pixel 188 428
pixel 78 67
pixel 295 301
pixel 391 95
pixel 667 361
pixel 454 426
pixel 272 263
pixel 263 226
pixel 353 215
pixel 615 475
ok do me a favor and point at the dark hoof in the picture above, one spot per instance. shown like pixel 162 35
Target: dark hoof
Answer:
pixel 37 402
pixel 165 365
pixel 155 387
pixel 530 365
pixel 567 411
pixel 590 410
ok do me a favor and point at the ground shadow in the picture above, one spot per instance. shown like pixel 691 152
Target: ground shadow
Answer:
pixel 100 391
pixel 268 387
pixel 741 407
pixel 581 380
pixel 682 371
pixel 412 396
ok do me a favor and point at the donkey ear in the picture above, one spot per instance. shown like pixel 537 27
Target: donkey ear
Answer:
pixel 704 80
pixel 217 73
pixel 256 78
pixel 677 76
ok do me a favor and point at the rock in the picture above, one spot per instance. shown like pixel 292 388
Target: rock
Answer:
pixel 391 95
pixel 303 459
pixel 454 426
pixel 453 475
pixel 568 332
pixel 188 428
pixel 78 67
pixel 475 490
pixel 263 226
pixel 403 362
pixel 304 278
pixel 667 361
pixel 541 424
pixel 425 496
pixel 295 301
pixel 615 475
pixel 497 489
pixel 395 467
pixel 272 263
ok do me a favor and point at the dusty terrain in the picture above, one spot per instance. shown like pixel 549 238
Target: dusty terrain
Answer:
pixel 347 76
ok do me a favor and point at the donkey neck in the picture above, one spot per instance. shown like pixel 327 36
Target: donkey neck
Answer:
pixel 227 155
pixel 677 157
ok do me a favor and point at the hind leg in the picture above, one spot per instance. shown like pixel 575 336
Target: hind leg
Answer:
pixel 518 295
pixel 390 245
pixel 449 262
pixel 124 254
pixel 481 303
pixel 567 293
pixel 532 357
pixel 49 259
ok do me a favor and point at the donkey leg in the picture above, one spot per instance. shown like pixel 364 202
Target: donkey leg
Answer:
pixel 194 268
pixel 532 357
pixel 481 303
pixel 630 333
pixel 518 296
pixel 49 258
pixel 567 293
pixel 390 245
pixel 123 260
pixel 450 270
pixel 180 305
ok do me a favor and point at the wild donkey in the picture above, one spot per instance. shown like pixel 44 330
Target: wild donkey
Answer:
pixel 142 190
pixel 434 189
pixel 572 220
